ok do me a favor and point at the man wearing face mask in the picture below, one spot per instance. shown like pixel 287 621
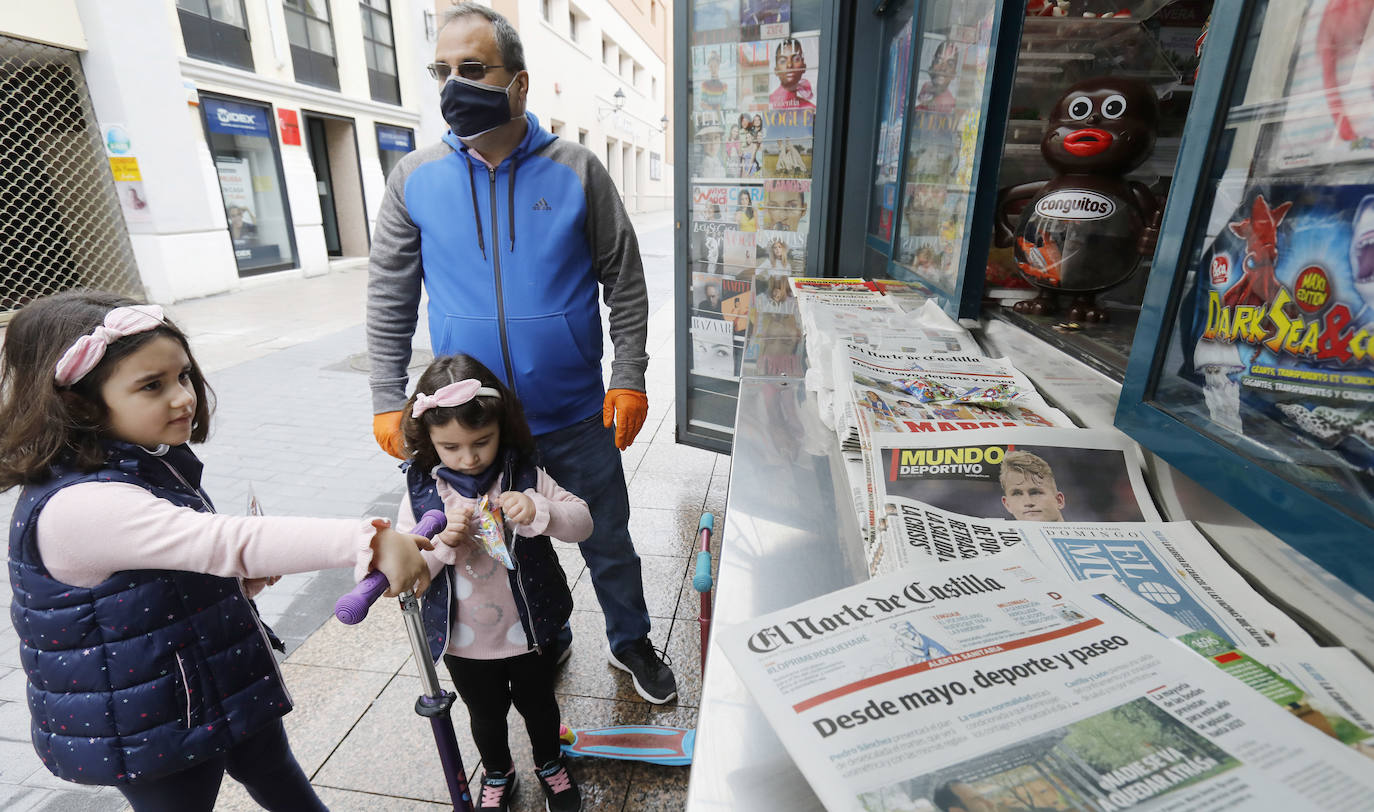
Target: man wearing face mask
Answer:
pixel 511 230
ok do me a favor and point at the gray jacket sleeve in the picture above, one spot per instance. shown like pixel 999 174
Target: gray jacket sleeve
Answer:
pixel 615 257
pixel 394 275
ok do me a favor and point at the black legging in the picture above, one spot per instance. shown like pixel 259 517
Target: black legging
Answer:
pixel 263 763
pixel 489 686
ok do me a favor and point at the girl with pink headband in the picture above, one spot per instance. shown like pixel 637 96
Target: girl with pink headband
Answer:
pixel 499 595
pixel 148 668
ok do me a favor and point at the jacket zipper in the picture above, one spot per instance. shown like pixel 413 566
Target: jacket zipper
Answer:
pixel 185 687
pixel 500 301
pixel 520 582
pixel 262 632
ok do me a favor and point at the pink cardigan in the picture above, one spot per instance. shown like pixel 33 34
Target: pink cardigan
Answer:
pixel 90 531
pixel 486 625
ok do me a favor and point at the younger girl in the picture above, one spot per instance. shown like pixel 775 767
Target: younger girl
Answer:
pixel 147 668
pixel 468 438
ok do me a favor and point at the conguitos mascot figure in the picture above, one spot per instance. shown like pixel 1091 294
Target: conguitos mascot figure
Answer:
pixel 1086 229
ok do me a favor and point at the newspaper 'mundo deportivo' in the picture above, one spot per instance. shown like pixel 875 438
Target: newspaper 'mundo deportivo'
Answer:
pixel 993 681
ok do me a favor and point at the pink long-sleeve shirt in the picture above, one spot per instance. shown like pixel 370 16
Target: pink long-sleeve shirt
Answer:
pixel 486 625
pixel 88 532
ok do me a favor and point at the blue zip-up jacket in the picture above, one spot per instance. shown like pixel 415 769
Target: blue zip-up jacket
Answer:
pixel 148 672
pixel 510 258
pixel 538 582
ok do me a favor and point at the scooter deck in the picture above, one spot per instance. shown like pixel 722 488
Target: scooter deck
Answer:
pixel 654 744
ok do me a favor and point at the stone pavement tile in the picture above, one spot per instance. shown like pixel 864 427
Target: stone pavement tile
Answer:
pixel 12 682
pixel 664 532
pixel 632 456
pixel 684 650
pixel 722 466
pixel 18 760
pixel 391 750
pixel 339 800
pixel 571 560
pixel 15 798
pixel 328 702
pixel 587 673
pixel 662 576
pixel 43 779
pixel 379 643
pixel 667 456
pixel 657 789
pixel 667 490
pixel 716 495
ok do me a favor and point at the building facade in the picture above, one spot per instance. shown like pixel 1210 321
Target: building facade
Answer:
pixel 242 137
pixel 600 74
pixel 197 145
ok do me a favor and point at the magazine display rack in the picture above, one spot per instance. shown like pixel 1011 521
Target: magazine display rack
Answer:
pixel 747 145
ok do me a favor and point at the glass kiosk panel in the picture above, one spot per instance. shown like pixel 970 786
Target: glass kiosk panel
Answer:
pixel 752 99
pixel 1254 372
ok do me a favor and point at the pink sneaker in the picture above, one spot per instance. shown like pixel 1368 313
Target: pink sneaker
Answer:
pixel 496 790
pixel 560 790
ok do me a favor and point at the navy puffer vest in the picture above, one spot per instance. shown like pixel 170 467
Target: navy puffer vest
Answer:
pixel 540 586
pixel 150 671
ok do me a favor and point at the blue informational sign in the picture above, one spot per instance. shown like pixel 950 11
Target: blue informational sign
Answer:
pixel 395 139
pixel 1133 563
pixel 232 118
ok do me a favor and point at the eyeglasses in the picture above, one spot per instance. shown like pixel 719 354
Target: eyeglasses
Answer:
pixel 473 70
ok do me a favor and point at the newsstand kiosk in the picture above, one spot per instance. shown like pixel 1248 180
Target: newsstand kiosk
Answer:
pixel 1209 291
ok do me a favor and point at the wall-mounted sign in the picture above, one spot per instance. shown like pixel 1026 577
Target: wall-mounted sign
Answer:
pixel 395 139
pixel 119 149
pixel 290 127
pixel 229 118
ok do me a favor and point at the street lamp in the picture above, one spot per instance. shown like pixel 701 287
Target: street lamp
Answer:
pixel 619 101
pixel 663 124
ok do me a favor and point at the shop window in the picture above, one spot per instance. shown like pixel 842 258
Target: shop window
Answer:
pixel 216 31
pixel 606 51
pixel 392 145
pixel 312 43
pixel 380 48
pixel 244 147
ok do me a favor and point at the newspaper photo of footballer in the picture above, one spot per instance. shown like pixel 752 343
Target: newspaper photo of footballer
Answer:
pixel 1062 475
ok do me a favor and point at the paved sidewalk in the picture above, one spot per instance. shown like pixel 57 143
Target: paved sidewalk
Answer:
pixel 286 361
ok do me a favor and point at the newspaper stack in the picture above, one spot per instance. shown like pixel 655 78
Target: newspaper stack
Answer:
pixel 996 683
pixel 1006 549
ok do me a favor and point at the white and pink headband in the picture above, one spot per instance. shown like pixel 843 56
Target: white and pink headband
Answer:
pixel 85 353
pixel 455 394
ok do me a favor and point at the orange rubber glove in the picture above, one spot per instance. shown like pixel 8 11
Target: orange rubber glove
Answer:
pixel 386 427
pixel 627 408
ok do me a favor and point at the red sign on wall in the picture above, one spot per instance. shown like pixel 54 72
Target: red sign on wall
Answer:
pixel 290 127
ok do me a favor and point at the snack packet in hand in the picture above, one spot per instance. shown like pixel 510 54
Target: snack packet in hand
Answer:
pixel 491 534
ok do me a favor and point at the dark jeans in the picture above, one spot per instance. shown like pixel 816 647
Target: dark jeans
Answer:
pixel 263 763
pixel 488 687
pixel 583 459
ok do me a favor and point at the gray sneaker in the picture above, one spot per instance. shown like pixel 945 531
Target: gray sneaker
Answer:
pixel 648 667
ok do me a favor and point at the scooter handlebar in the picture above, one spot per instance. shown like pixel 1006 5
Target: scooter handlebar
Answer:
pixel 352 607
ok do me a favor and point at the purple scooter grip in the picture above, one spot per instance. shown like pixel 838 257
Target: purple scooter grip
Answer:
pixel 351 608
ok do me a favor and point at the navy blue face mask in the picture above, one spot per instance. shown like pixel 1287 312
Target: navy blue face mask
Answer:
pixel 472 108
